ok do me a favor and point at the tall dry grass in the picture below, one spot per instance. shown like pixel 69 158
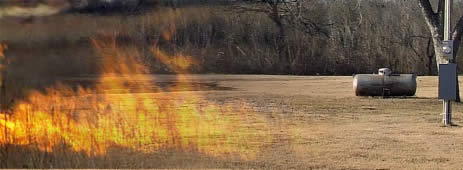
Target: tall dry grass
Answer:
pixel 73 126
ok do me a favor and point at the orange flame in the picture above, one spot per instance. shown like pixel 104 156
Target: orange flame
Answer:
pixel 179 63
pixel 3 47
pixel 94 120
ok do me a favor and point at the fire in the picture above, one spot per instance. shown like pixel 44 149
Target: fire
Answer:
pixel 3 47
pixel 178 63
pixel 112 115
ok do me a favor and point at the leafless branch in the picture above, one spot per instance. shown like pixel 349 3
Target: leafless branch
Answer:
pixel 430 16
pixel 457 33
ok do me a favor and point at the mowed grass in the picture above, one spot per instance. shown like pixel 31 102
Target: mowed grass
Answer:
pixel 333 129
pixel 313 122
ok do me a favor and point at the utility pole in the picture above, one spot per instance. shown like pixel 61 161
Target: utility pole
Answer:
pixel 447 19
pixel 446 77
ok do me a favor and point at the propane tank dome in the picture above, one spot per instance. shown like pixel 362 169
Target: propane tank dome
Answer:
pixel 385 71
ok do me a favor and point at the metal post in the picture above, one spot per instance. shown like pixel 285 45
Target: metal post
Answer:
pixel 447 115
pixel 447 106
pixel 447 19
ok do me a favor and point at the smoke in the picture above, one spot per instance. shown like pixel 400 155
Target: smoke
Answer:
pixel 39 8
pixel 35 10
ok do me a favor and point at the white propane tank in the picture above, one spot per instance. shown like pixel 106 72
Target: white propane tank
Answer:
pixel 384 84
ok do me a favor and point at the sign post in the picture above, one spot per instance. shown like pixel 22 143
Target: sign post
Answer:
pixel 447 89
pixel 447 69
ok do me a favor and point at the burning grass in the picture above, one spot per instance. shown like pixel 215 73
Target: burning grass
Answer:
pixel 93 121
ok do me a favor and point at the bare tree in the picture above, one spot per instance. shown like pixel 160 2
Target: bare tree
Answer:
pixel 277 11
pixel 435 23
pixel 285 14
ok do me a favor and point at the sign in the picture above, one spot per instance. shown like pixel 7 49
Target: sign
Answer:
pixel 447 81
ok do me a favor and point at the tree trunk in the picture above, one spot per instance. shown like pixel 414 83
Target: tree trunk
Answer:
pixel 457 33
pixel 435 24
pixel 430 54
pixel 282 43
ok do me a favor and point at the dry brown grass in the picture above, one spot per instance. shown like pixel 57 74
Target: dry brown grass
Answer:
pixel 333 129
pixel 315 122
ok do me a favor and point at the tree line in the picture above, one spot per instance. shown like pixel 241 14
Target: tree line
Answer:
pixel 278 36
pixel 308 37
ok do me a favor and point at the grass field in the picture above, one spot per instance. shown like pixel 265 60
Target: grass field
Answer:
pixel 278 122
pixel 78 93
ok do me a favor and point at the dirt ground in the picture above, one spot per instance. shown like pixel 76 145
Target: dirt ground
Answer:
pixel 320 123
pixel 310 123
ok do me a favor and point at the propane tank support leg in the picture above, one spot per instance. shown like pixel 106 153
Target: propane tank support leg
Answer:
pixel 447 115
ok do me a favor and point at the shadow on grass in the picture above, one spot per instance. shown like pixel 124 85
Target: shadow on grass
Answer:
pixel 398 97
